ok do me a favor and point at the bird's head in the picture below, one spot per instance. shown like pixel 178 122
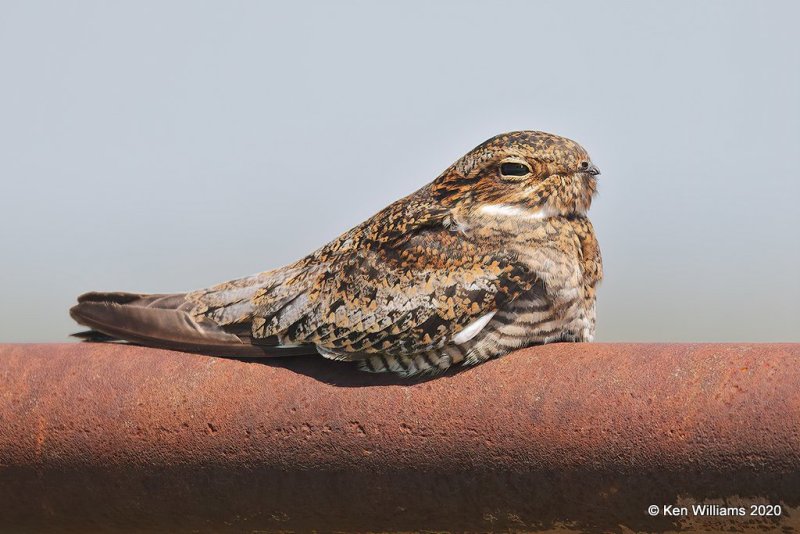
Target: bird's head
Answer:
pixel 521 170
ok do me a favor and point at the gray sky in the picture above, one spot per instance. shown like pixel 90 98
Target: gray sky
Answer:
pixel 166 146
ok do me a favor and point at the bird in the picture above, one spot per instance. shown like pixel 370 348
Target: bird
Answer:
pixel 496 254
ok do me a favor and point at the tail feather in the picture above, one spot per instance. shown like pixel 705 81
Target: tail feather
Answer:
pixel 94 336
pixel 165 321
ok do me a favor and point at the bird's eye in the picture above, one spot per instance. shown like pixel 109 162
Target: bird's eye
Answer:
pixel 584 165
pixel 514 168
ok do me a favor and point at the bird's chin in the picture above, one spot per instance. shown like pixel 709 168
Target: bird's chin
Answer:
pixel 578 194
pixel 587 178
pixel 588 183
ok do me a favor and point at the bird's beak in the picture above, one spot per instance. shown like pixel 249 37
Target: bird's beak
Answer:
pixel 594 171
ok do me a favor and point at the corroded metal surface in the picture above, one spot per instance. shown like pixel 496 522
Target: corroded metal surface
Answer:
pixel 97 437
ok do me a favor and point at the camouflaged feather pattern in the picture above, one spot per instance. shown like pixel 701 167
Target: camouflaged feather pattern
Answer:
pixel 396 289
pixel 495 254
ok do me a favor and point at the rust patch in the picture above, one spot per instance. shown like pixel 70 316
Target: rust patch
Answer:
pixel 563 436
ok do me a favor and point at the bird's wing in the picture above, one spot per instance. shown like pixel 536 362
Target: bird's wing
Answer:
pixel 215 320
pixel 400 283
pixel 411 292
pixel 168 321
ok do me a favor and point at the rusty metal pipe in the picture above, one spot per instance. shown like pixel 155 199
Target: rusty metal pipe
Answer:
pixel 98 437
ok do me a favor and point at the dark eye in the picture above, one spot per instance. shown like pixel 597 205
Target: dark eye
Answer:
pixel 513 168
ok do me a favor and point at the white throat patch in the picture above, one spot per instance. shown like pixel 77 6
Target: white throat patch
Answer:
pixel 516 212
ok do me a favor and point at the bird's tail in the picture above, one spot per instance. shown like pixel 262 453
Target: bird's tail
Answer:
pixel 166 321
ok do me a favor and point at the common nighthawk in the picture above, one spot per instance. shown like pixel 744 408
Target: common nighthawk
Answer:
pixel 495 254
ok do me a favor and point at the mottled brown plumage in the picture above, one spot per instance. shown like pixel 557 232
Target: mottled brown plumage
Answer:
pixel 496 253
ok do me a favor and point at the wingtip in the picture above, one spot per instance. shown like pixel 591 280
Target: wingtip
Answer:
pixel 95 314
pixel 75 312
pixel 81 314
pixel 117 297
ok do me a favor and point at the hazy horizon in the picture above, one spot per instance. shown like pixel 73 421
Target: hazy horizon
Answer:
pixel 163 147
